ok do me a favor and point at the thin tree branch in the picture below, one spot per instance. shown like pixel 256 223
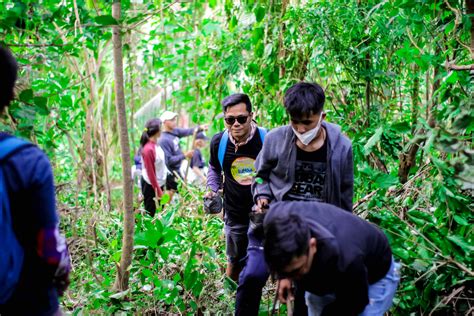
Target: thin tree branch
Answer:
pixel 38 45
pixel 446 300
pixel 152 14
pixel 450 66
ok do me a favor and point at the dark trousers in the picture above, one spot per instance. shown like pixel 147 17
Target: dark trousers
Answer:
pixel 149 197
pixel 252 279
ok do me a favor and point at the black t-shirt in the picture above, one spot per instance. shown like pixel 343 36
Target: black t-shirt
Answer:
pixel 310 175
pixel 239 168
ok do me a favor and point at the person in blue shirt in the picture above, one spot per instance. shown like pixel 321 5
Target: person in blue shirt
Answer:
pixel 197 162
pixel 29 182
pixel 174 156
pixel 137 169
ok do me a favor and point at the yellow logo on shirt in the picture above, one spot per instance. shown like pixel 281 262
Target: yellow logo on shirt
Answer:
pixel 242 170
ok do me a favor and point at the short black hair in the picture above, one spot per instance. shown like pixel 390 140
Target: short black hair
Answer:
pixel 304 99
pixel 8 75
pixel 286 237
pixel 235 99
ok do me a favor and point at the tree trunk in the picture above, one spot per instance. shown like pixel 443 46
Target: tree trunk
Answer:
pixel 408 158
pixel 104 153
pixel 123 274
pixel 165 79
pixel 415 97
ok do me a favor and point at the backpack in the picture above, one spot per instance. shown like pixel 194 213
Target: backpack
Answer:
pixel 11 260
pixel 225 139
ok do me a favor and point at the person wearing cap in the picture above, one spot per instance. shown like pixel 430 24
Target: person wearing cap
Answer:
pixel 312 244
pixel 174 156
pixel 232 157
pixel 197 162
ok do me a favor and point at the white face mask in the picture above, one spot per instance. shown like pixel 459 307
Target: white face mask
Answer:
pixel 308 136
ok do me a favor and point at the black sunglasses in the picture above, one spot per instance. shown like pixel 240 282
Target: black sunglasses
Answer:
pixel 241 119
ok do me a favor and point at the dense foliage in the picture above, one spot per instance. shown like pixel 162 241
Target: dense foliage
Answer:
pixel 398 76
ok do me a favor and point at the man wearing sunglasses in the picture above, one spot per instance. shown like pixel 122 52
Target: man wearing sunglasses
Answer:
pixel 307 160
pixel 232 157
pixel 313 245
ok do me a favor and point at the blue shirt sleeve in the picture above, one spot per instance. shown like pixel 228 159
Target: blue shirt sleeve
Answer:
pixel 183 132
pixel 197 160
pixel 30 179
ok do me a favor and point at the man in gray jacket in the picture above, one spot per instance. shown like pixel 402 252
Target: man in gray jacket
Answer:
pixel 307 160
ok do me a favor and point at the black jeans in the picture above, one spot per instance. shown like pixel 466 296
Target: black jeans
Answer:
pixel 253 278
pixel 149 197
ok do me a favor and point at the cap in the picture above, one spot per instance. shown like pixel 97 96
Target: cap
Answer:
pixel 168 115
pixel 201 135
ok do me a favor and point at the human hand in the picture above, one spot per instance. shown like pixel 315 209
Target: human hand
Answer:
pixel 285 293
pixel 204 127
pixel 210 194
pixel 262 205
pixel 189 154
pixel 62 285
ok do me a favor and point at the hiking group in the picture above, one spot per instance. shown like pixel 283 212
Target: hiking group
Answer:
pixel 286 196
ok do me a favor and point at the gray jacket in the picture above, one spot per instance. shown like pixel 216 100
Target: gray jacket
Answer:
pixel 276 162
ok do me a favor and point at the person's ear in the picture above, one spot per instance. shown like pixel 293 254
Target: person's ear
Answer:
pixel 324 115
pixel 313 244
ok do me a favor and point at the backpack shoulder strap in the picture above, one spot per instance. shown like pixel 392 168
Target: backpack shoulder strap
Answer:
pixel 225 138
pixel 222 148
pixel 11 260
pixel 262 131
pixel 10 145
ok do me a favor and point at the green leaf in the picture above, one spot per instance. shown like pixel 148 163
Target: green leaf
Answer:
pixel 253 68
pixel 190 279
pixel 373 140
pixel 449 27
pixel 257 35
pixel 233 23
pixel 420 265
pixel 401 253
pixel 421 215
pixel 230 284
pixel 212 3
pixel 461 242
pixel 165 253
pixel 401 127
pixel 165 198
pixel 105 20
pixel 452 78
pixel 259 13
pixel 26 95
pixel 385 181
pixel 41 106
pixel 460 220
